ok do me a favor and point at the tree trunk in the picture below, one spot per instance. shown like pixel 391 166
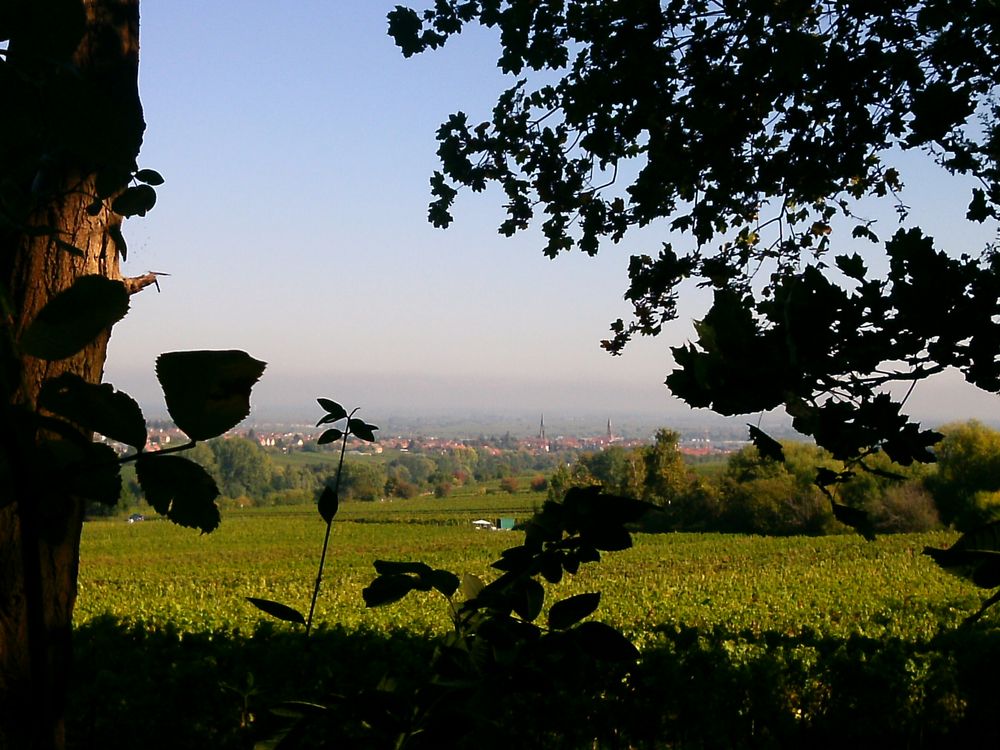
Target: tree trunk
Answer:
pixel 40 530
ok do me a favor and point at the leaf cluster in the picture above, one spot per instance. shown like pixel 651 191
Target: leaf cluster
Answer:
pixel 335 413
pixel 207 393
pixel 754 130
pixel 46 154
pixel 58 58
pixel 498 652
pixel 720 109
pixel 975 556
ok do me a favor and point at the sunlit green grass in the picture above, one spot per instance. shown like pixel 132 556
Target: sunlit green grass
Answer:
pixel 155 572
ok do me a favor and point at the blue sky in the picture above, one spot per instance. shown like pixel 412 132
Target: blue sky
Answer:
pixel 296 143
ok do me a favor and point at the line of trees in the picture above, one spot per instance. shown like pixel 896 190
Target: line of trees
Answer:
pixel 757 495
pixel 246 474
pixel 750 494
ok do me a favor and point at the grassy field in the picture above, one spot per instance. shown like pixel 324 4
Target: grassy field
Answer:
pixel 158 573
pixel 746 642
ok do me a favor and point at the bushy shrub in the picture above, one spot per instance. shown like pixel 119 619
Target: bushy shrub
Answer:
pixel 763 496
pixel 405 489
pixel 968 473
pixel 289 497
pixel 509 484
pixel 905 508
pixel 241 501
pixel 361 480
pixel 774 505
pixel 700 508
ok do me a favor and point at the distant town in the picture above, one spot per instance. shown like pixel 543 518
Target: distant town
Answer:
pixel 290 438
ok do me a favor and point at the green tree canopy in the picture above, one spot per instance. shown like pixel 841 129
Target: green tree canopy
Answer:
pixel 361 480
pixel 655 473
pixel 418 466
pixel 760 132
pixel 968 475
pixel 243 467
pixel 617 470
pixel 667 477
pixel 764 496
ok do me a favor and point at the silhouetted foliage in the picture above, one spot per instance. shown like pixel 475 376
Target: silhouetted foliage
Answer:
pixel 693 687
pixel 328 502
pixel 69 143
pixel 975 556
pixel 499 679
pixel 760 134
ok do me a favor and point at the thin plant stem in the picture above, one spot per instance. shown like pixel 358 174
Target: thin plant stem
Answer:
pixel 329 525
pixel 162 452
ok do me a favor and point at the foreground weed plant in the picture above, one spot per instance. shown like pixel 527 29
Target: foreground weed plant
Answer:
pixel 328 504
pixel 499 670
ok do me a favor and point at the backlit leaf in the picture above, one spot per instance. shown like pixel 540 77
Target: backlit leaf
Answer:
pixel 766 445
pixel 334 411
pixel 471 586
pixel 391 567
pixel 97 477
pixel 884 473
pixel 825 477
pixel 115 233
pixel 277 609
pixel 974 556
pixel 328 504
pixel 330 436
pixel 570 611
pixel 207 392
pixel 149 176
pixel 387 589
pixel 852 266
pixel 551 568
pixel 529 599
pixel 73 318
pixel 95 408
pixel 134 201
pixel 856 518
pixel 179 489
pixel 444 581
pixel 362 430
pixel 608 538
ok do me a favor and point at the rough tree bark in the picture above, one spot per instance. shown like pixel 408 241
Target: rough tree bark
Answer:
pixel 39 531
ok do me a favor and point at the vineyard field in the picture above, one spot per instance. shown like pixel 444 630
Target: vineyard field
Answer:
pixel 841 585
pixel 746 642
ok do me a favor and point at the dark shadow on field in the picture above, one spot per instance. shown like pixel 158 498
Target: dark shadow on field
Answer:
pixel 143 687
pixel 146 688
pixel 723 689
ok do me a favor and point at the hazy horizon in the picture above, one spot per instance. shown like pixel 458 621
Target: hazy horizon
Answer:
pixel 297 148
pixel 386 400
